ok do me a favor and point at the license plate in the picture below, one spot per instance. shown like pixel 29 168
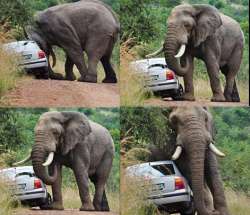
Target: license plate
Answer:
pixel 153 77
pixel 27 57
pixel 21 186
pixel 157 187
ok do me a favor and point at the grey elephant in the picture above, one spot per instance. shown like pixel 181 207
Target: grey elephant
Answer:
pixel 88 26
pixel 71 139
pixel 203 32
pixel 195 156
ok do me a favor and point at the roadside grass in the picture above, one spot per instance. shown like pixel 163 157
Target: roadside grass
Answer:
pixel 238 203
pixel 9 71
pixel 132 91
pixel 71 198
pixel 8 203
pixel 133 198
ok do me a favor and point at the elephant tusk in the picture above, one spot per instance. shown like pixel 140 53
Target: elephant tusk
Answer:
pixel 22 161
pixel 181 51
pixel 155 53
pixel 177 153
pixel 49 159
pixel 216 151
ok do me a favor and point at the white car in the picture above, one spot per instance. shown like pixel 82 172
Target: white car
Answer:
pixel 159 78
pixel 33 59
pixel 28 188
pixel 169 190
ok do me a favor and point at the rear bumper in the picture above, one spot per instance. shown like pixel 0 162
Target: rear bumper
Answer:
pixel 163 86
pixel 170 198
pixel 32 195
pixel 35 64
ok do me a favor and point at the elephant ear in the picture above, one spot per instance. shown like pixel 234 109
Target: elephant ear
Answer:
pixel 208 20
pixel 77 128
pixel 209 123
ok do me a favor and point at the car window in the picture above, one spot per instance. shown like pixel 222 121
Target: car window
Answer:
pixel 25 173
pixel 158 65
pixel 164 169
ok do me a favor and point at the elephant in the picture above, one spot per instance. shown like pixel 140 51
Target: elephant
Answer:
pixel 72 140
pixel 203 32
pixel 195 156
pixel 88 26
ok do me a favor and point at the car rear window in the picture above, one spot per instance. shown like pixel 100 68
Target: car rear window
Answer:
pixel 158 65
pixel 164 169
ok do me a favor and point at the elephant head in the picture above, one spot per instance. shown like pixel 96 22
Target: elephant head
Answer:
pixel 34 33
pixel 194 129
pixel 187 27
pixel 56 134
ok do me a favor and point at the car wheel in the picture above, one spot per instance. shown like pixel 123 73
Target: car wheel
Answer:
pixel 190 210
pixel 179 93
pixel 47 202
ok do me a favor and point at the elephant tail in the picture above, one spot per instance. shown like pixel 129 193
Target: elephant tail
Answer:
pixel 53 57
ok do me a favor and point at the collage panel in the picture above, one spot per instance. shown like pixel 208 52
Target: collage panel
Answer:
pixel 185 160
pixel 184 53
pixel 75 151
pixel 124 107
pixel 59 53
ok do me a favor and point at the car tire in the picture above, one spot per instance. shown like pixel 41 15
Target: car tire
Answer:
pixel 190 210
pixel 47 202
pixel 179 93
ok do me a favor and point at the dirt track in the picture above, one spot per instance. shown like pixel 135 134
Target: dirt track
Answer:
pixel 171 103
pixel 52 93
pixel 64 212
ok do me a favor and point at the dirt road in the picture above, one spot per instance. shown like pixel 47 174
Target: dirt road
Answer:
pixel 171 103
pixel 53 93
pixel 64 212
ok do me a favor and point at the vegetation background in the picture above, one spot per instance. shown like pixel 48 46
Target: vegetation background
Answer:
pixel 17 138
pixel 144 21
pixel 14 16
pixel 142 128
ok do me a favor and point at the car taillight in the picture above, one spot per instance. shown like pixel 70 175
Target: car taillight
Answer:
pixel 179 183
pixel 37 184
pixel 169 75
pixel 41 54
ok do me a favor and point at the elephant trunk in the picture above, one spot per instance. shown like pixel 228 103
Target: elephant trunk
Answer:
pixel 171 47
pixel 38 156
pixel 195 150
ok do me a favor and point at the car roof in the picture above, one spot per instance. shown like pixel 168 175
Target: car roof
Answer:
pixel 151 61
pixel 154 163
pixel 22 42
pixel 20 46
pixel 18 169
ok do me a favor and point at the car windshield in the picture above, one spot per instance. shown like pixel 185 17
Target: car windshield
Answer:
pixel 158 65
pixel 163 170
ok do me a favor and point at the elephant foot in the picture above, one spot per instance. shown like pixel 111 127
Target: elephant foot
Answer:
pixel 70 77
pixel 53 206
pixel 218 98
pixel 232 98
pixel 87 207
pixel 88 78
pixel 101 206
pixel 188 97
pixel 110 80
pixel 56 76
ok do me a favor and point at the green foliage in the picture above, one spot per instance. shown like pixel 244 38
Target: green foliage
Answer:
pixel 233 137
pixel 17 137
pixel 149 126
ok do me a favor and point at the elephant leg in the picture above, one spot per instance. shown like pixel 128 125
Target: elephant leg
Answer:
pixel 100 200
pixel 92 68
pixel 77 58
pixel 215 184
pixel 109 71
pixel 213 72
pixel 83 185
pixel 188 82
pixel 69 69
pixel 57 203
pixel 235 97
